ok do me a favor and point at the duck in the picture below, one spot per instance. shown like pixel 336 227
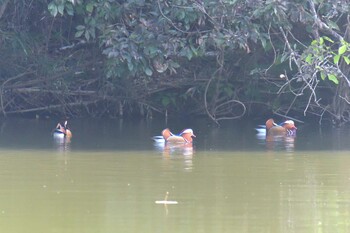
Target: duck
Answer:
pixel 186 136
pixel 62 131
pixel 286 128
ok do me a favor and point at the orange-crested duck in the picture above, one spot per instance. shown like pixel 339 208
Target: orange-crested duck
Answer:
pixel 286 128
pixel 186 136
pixel 62 131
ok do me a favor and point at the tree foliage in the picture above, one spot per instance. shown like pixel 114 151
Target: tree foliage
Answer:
pixel 223 58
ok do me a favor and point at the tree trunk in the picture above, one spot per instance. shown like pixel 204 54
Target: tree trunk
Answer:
pixel 341 99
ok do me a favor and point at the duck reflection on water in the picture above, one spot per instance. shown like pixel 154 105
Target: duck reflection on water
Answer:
pixel 62 144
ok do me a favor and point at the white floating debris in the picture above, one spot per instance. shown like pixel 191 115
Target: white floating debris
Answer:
pixel 167 202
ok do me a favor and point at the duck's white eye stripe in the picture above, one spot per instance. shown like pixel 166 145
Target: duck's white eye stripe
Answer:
pixel 187 131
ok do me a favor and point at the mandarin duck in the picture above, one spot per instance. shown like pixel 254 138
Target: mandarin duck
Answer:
pixel 286 128
pixel 167 136
pixel 62 131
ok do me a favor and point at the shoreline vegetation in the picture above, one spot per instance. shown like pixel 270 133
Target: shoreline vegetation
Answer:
pixel 224 61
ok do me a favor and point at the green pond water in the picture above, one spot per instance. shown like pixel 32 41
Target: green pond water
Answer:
pixel 109 177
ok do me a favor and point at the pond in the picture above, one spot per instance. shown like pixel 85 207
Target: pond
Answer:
pixel 111 175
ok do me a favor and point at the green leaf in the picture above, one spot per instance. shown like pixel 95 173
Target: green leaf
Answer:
pixel 148 71
pixel 194 50
pixel 309 59
pixel 333 78
pixel 321 41
pixel 152 50
pixel 69 9
pixel 60 9
pixel 263 43
pixel 181 15
pixel 328 39
pixel 174 64
pixel 79 33
pixel 90 7
pixel 347 60
pixel 284 57
pixel 342 49
pixel 87 35
pixel 53 9
pixel 332 25
pixel 92 32
pixel 314 42
pixel 187 53
pixel 336 59
pixel 130 66
pixel 93 22
pixel 323 76
pixel 80 27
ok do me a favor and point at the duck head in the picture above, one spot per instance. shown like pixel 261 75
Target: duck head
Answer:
pixel 67 130
pixel 289 126
pixel 188 135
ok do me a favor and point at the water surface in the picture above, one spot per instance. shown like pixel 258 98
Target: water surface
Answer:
pixel 109 176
